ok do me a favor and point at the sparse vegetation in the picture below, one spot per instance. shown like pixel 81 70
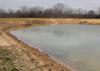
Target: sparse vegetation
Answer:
pixel 6 63
pixel 14 69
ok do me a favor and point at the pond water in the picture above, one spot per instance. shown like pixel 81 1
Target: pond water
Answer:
pixel 75 45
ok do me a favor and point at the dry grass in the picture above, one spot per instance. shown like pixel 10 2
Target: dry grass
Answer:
pixel 8 23
pixel 6 63
pixel 15 23
pixel 23 21
pixel 77 21
pixel 31 21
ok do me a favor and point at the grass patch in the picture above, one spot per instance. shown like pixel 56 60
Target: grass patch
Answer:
pixel 6 63
pixel 14 69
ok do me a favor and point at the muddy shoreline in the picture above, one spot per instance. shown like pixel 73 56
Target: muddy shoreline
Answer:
pixel 41 56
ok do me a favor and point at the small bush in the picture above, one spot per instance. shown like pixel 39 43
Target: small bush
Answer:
pixel 14 69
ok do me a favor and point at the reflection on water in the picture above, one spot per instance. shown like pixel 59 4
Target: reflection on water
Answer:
pixel 75 45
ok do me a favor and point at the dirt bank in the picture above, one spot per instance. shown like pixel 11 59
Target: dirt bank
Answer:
pixel 24 57
pixel 42 21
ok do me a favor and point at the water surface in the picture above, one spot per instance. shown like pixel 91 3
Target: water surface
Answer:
pixel 75 45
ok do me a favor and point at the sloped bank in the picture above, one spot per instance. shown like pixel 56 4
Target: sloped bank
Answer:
pixel 28 58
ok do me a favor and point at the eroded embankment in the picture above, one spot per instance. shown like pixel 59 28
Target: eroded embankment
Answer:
pixel 25 58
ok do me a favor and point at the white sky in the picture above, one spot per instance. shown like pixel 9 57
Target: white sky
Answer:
pixel 15 4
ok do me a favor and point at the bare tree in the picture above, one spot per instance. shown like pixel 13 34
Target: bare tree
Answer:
pixel 59 10
pixel 91 14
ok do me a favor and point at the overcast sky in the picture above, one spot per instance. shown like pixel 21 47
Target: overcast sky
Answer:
pixel 15 4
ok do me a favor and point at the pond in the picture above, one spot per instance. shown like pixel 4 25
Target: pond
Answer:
pixel 77 46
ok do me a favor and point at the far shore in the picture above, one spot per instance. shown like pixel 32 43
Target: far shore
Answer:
pixel 19 22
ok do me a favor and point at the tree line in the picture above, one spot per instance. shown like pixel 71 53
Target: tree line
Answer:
pixel 57 11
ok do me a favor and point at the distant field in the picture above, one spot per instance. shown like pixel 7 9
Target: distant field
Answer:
pixel 6 23
pixel 24 21
pixel 16 22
